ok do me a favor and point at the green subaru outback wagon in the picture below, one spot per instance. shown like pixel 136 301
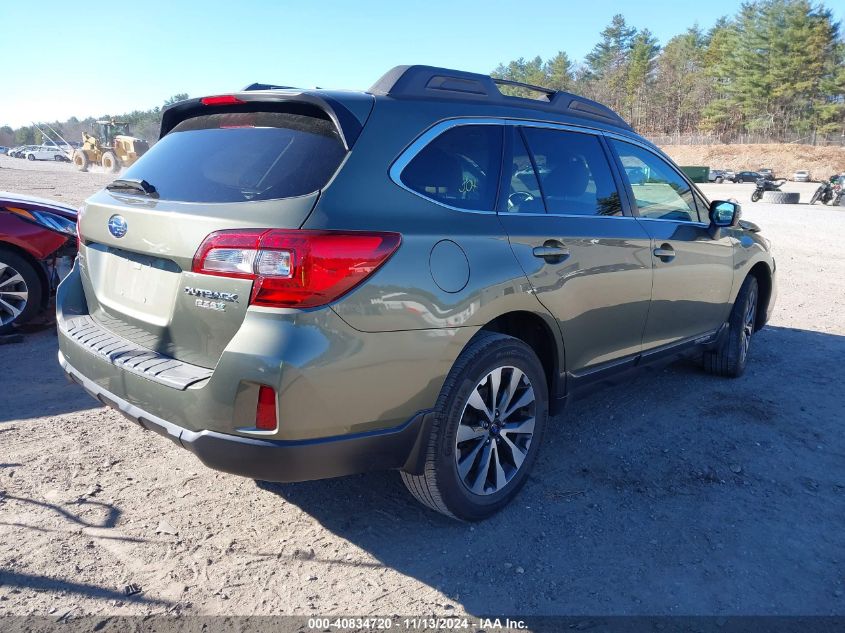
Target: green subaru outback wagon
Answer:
pixel 299 284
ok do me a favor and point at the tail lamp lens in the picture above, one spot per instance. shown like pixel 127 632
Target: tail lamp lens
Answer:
pixel 295 268
pixel 230 260
pixel 219 100
pixel 265 412
pixel 274 264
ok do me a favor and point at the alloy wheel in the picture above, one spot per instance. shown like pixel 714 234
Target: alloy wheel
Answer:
pixel 748 321
pixel 14 294
pixel 495 430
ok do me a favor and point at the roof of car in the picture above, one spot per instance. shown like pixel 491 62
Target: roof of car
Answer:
pixel 457 90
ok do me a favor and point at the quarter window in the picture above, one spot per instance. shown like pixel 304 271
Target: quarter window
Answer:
pixel 703 207
pixel 660 191
pixel 574 174
pixel 459 168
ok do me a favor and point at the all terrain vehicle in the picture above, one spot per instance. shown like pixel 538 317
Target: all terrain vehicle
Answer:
pixel 762 185
pixel 300 284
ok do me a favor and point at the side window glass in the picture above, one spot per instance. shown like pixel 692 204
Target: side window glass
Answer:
pixel 524 193
pixel 703 207
pixel 575 176
pixel 461 167
pixel 659 190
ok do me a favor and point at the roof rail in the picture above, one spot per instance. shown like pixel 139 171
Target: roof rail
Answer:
pixel 431 82
pixel 549 92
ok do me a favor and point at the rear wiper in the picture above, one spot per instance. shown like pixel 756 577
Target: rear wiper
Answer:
pixel 133 185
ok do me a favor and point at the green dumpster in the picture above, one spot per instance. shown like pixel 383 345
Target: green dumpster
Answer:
pixel 696 173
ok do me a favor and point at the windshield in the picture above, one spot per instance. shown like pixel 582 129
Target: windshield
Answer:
pixel 240 157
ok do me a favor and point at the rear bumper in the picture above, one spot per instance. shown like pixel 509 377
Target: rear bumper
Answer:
pixel 330 379
pixel 400 447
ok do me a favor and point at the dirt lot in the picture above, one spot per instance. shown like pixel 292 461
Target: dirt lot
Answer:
pixel 822 162
pixel 677 493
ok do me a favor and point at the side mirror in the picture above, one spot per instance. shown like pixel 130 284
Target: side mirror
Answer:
pixel 723 214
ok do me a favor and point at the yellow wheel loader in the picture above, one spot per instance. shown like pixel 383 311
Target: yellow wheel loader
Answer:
pixel 112 147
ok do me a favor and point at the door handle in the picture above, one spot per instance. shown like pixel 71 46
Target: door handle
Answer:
pixel 665 252
pixel 552 251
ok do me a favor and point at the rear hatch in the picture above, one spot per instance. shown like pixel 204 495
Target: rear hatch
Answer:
pixel 215 169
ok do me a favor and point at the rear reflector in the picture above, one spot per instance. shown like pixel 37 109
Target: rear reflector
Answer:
pixel 295 268
pixel 265 413
pixel 221 100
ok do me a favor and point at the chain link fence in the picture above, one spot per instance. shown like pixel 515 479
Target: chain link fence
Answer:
pixel 745 139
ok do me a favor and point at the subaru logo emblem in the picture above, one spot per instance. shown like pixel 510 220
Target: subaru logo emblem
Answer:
pixel 117 226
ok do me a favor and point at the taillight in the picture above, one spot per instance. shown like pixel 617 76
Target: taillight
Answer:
pixel 219 100
pixel 295 268
pixel 265 412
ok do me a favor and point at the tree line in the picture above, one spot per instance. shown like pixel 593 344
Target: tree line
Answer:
pixel 142 123
pixel 775 69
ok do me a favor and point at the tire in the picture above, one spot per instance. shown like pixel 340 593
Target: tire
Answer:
pixel 21 290
pixel 445 486
pixel 30 157
pixel 781 197
pixel 110 162
pixel 720 180
pixel 58 158
pixel 755 196
pixel 80 160
pixel 731 357
pixel 817 196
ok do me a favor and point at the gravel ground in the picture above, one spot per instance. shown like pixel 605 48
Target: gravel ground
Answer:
pixel 677 493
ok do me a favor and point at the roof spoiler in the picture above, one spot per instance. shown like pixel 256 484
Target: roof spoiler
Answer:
pixel 421 82
pixel 348 113
pixel 257 86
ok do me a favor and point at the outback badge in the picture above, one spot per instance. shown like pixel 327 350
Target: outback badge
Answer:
pixel 211 299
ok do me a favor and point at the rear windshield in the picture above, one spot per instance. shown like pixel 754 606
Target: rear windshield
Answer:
pixel 237 157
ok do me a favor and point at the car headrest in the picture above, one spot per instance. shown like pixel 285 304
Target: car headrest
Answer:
pixel 567 179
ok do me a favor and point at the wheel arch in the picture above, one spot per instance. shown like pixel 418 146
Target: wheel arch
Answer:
pixel 541 335
pixel 763 274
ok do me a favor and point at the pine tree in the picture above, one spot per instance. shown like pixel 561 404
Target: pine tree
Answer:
pixel 611 53
pixel 777 68
pixel 681 87
pixel 719 114
pixel 559 71
pixel 607 64
pixel 639 76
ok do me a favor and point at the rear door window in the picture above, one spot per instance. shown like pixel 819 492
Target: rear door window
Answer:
pixel 459 168
pixel 238 157
pixel 575 175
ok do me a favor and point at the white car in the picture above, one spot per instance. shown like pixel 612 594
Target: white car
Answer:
pixel 46 152
pixel 802 175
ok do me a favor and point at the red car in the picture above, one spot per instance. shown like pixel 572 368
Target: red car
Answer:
pixel 34 235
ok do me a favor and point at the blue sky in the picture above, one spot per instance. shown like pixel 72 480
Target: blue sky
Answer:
pixel 80 59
